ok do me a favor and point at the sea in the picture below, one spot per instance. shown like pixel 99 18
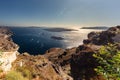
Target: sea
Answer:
pixel 37 40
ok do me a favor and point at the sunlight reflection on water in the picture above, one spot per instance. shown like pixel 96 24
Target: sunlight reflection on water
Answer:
pixel 37 40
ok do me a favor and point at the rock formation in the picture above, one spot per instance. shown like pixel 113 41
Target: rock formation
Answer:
pixel 102 38
pixel 8 49
pixel 61 57
pixel 40 67
pixel 83 63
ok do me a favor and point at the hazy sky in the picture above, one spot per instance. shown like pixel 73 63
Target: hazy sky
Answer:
pixel 60 12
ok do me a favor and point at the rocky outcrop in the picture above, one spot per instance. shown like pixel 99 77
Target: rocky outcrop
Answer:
pixel 83 63
pixel 40 67
pixel 6 43
pixel 8 49
pixel 104 37
pixel 60 57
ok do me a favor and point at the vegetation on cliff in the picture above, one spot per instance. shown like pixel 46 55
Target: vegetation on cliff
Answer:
pixel 83 62
pixel 109 62
pixel 14 75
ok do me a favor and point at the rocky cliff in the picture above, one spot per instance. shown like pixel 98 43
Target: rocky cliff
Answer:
pixel 57 64
pixel 61 57
pixel 40 67
pixel 102 38
pixel 8 49
pixel 83 63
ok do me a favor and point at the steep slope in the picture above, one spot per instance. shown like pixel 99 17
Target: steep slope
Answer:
pixel 40 67
pixel 8 49
pixel 83 63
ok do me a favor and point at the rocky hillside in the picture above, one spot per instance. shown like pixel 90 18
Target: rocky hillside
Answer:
pixel 6 43
pixel 104 37
pixel 56 64
pixel 83 63
pixel 61 57
pixel 40 68
pixel 8 49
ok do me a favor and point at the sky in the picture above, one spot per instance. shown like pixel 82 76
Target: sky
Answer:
pixel 68 13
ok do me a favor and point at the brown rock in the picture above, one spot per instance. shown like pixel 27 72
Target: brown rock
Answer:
pixel 61 57
pixel 83 64
pixel 40 67
pixel 6 43
pixel 102 38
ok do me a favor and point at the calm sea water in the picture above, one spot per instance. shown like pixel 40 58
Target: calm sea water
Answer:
pixel 37 40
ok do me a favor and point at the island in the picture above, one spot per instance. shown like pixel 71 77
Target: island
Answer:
pixel 57 38
pixel 97 27
pixel 59 29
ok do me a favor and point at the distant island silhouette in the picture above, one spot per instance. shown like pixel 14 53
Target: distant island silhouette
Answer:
pixel 57 38
pixel 97 27
pixel 59 29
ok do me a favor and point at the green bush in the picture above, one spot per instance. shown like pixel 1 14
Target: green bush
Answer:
pixel 21 73
pixel 109 62
pixel 25 72
pixel 14 75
